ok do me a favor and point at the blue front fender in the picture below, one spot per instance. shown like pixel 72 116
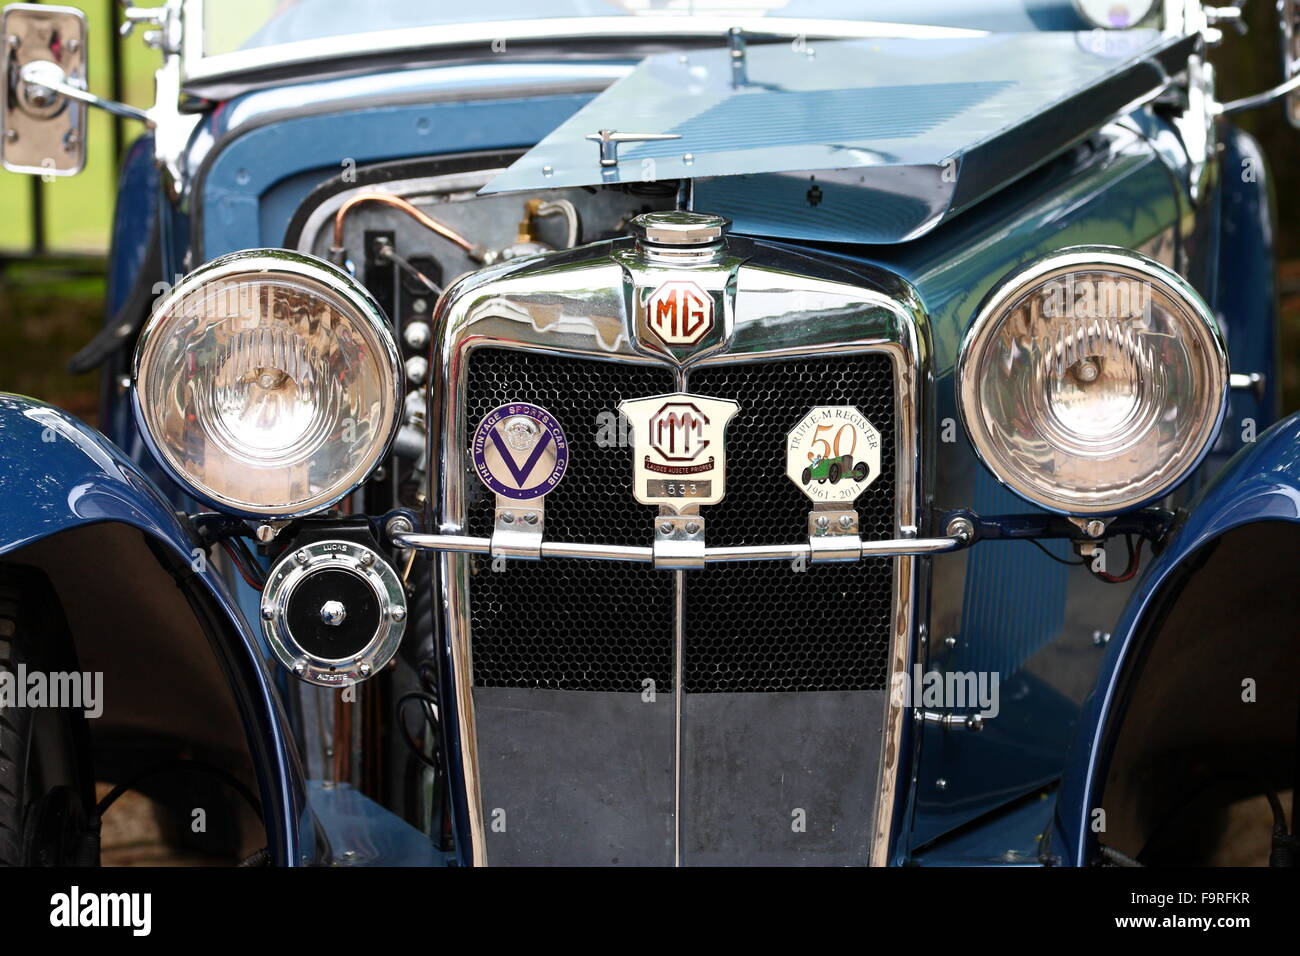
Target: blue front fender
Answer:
pixel 1261 483
pixel 57 474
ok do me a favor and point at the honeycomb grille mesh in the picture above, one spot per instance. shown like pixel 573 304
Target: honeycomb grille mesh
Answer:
pixel 569 624
pixel 608 626
pixel 764 626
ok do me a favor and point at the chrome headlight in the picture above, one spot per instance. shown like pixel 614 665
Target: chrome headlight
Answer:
pixel 1092 381
pixel 268 383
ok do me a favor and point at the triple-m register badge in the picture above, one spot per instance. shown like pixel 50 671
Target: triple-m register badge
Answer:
pixel 833 453
pixel 679 448
pixel 519 451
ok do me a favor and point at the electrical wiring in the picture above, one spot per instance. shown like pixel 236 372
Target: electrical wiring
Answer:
pixel 1055 557
pixel 1134 562
pixel 252 579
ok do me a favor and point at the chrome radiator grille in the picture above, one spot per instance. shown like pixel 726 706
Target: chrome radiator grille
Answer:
pixel 604 626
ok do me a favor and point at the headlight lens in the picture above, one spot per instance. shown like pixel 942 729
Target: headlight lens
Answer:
pixel 268 382
pixel 1092 381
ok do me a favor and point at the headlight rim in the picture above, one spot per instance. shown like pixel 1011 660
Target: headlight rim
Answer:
pixel 1078 258
pixel 261 263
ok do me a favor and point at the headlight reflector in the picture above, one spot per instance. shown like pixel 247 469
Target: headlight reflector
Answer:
pixel 268 383
pixel 1092 381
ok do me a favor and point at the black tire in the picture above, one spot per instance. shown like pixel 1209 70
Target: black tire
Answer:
pixel 46 783
pixel 835 473
pixel 860 471
pixel 807 475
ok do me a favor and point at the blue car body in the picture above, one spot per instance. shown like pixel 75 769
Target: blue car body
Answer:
pixel 1020 792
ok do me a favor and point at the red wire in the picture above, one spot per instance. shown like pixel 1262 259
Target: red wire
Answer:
pixel 1134 561
pixel 239 566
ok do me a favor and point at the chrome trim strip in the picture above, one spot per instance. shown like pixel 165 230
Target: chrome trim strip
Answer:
pixel 679 706
pixel 490 37
pixel 892 548
pixel 577 304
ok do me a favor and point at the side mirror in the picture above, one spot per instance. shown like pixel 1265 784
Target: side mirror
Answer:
pixel 1290 12
pixel 44 129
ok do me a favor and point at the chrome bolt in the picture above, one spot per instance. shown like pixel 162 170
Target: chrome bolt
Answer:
pixel 398 613
pixel 846 522
pixel 950 641
pixel 1100 638
pixel 666 528
pixel 367 558
pixel 417 334
pixel 301 557
pixel 398 524
pixel 693 527
pixel 417 367
pixel 1095 528
pixel 961 528
pixel 507 517
pixel 941 784
pixel 364 670
pixel 823 522
pixel 688 158
pixel 268 613
pixel 420 305
pixel 531 517
pixel 548 171
pixel 265 533
pixel 333 613
pixel 300 666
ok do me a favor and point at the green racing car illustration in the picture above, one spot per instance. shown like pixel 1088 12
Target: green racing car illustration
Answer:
pixel 833 469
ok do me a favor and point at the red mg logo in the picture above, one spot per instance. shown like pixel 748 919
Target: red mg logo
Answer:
pixel 677 431
pixel 679 312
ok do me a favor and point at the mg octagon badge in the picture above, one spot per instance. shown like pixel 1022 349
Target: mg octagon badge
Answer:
pixel 679 448
pixel 833 454
pixel 679 313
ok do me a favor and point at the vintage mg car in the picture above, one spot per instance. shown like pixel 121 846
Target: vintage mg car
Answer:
pixel 469 382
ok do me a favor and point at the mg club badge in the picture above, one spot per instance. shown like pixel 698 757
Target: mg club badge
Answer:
pixel 679 448
pixel 833 454
pixel 519 451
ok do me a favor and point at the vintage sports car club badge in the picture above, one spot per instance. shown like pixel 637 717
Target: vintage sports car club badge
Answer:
pixel 519 451
pixel 679 448
pixel 833 453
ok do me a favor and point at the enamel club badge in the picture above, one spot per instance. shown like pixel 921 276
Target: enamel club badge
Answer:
pixel 833 453
pixel 679 448
pixel 519 451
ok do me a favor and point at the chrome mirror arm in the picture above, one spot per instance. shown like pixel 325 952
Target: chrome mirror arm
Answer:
pixel 1259 99
pixel 50 76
